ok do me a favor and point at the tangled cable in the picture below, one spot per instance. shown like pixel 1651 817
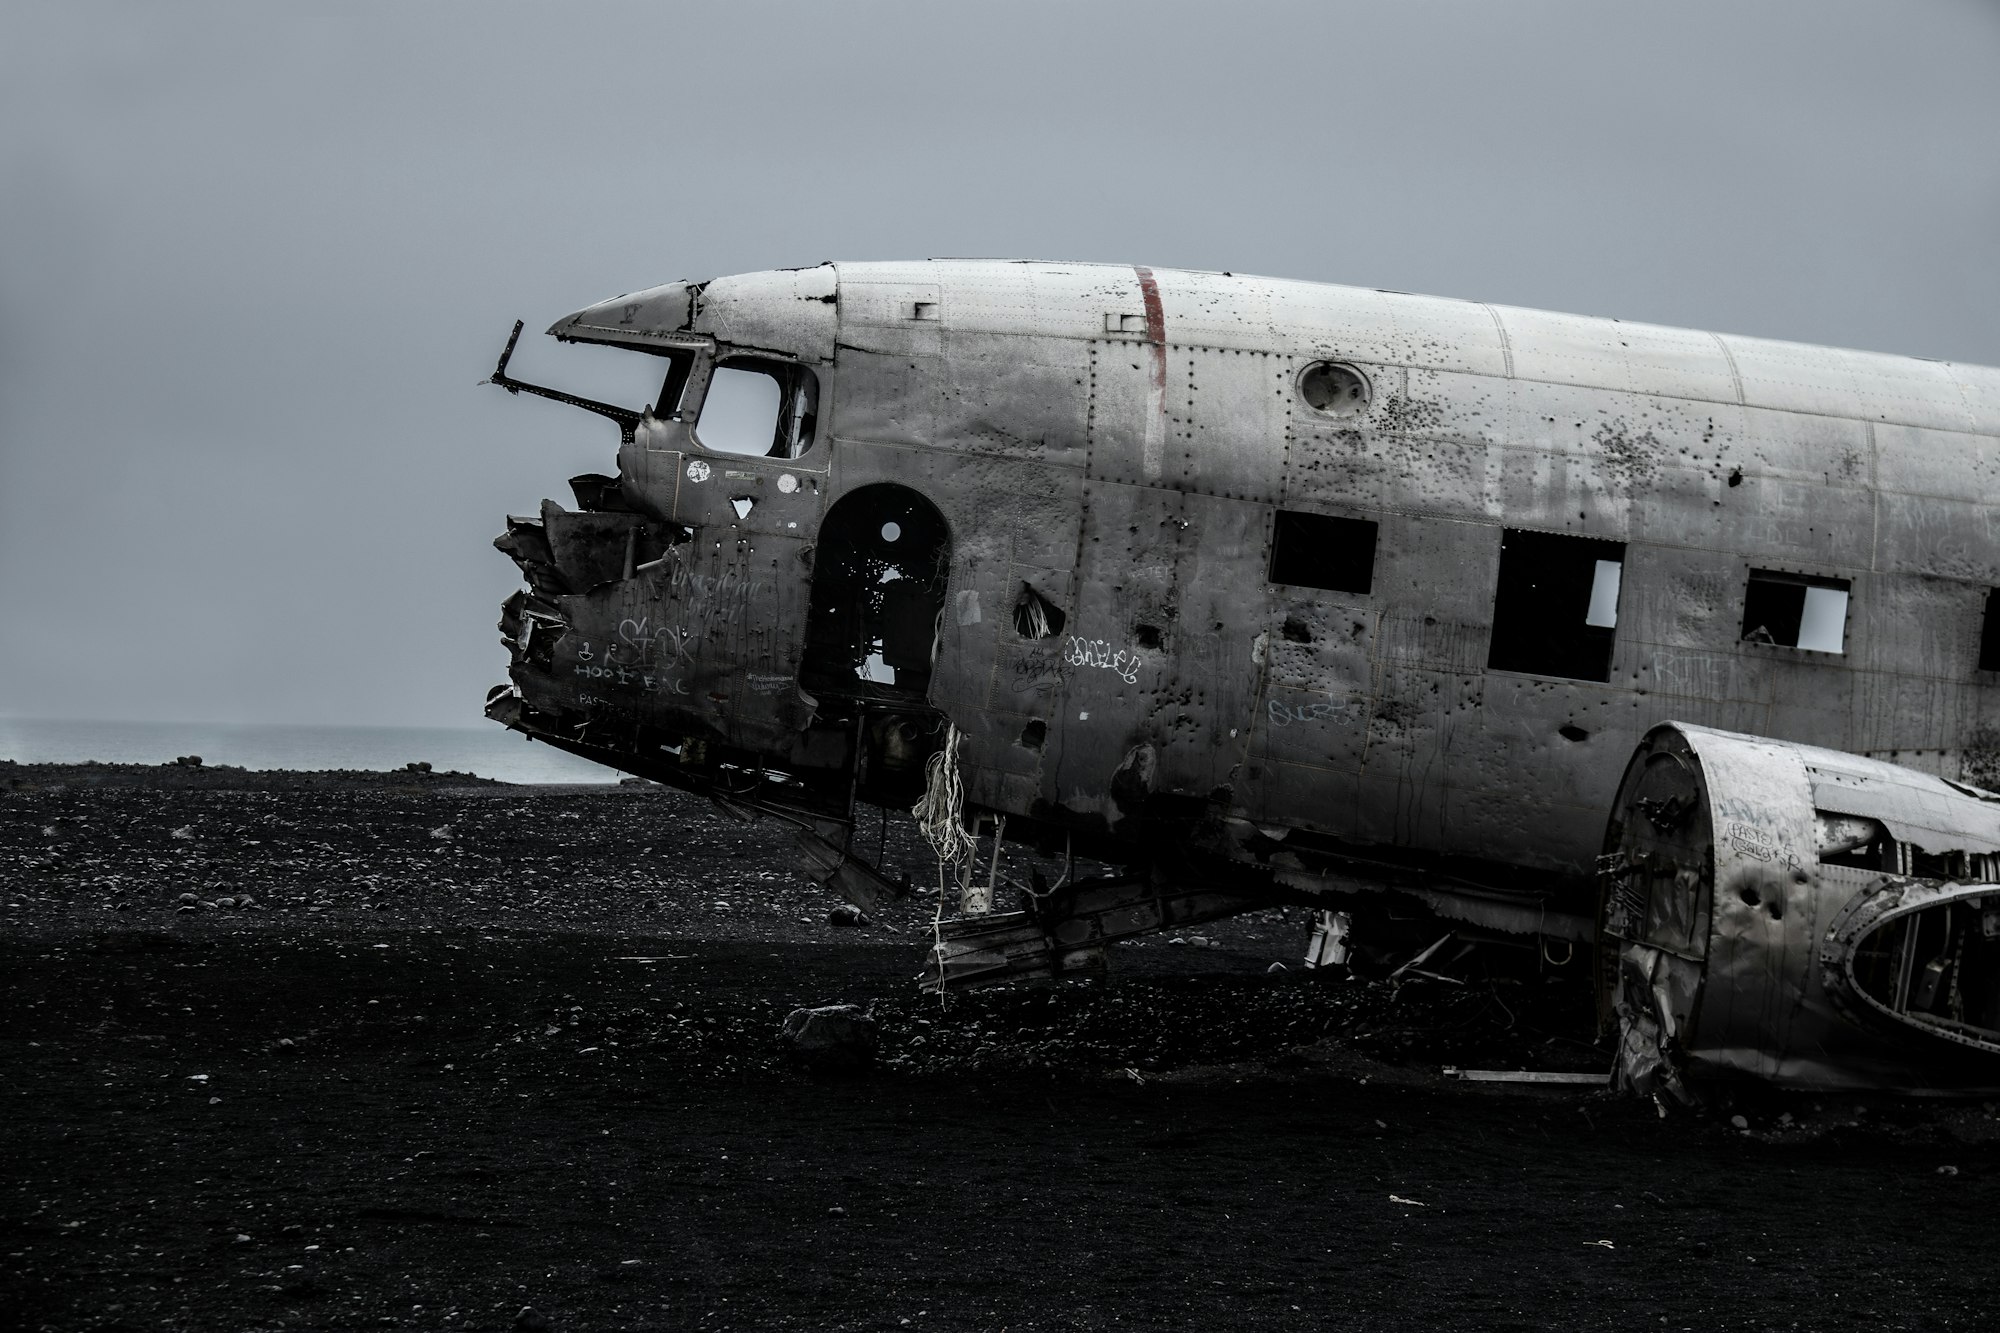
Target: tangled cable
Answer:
pixel 941 819
pixel 941 813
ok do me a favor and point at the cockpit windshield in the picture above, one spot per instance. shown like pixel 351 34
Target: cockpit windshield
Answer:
pixel 755 406
pixel 758 407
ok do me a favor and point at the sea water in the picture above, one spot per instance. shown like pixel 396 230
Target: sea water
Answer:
pixel 491 751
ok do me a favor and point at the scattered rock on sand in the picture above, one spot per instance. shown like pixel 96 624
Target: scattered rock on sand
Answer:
pixel 831 1039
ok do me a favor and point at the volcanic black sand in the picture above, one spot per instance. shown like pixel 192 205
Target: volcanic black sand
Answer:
pixel 490 1057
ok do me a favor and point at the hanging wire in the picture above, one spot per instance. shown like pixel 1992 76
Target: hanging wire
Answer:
pixel 941 812
pixel 940 818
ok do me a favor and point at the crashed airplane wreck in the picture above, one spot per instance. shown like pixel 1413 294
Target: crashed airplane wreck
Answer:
pixel 1277 592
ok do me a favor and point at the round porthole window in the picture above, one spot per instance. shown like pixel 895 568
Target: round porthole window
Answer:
pixel 1333 388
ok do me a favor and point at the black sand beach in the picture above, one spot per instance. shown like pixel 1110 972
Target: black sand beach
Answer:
pixel 479 1049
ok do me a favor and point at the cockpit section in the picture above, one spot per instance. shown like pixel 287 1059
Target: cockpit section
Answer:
pixel 703 618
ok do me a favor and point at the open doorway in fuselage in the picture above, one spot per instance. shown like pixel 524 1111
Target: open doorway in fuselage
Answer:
pixel 879 575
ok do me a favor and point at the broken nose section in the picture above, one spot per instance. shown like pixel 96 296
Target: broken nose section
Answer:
pixel 639 647
pixel 587 673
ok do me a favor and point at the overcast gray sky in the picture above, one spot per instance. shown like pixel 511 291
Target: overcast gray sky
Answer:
pixel 254 258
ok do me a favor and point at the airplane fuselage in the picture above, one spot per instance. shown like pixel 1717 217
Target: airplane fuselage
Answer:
pixel 1301 585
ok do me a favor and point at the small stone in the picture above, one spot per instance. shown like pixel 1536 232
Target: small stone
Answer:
pixel 836 1211
pixel 1947 1170
pixel 1739 1122
pixel 229 903
pixel 1178 942
pixel 531 1320
pixel 847 917
pixel 188 898
pixel 1276 967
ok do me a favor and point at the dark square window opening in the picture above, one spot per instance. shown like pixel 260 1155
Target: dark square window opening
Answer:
pixel 1322 551
pixel 1555 610
pixel 1795 611
pixel 1989 636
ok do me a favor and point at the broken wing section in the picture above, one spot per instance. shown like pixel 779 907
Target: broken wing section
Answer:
pixel 1920 956
pixel 1800 917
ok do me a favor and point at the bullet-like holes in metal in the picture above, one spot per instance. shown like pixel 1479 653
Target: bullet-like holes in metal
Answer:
pixel 1034 734
pixel 1333 388
pixel 1035 616
pixel 1748 893
pixel 1295 630
pixel 1146 636
pixel 1570 731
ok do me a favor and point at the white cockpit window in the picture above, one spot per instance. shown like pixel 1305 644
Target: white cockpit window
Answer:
pixel 759 408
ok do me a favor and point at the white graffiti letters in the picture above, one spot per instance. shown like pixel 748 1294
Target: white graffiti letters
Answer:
pixel 1101 653
pixel 1284 714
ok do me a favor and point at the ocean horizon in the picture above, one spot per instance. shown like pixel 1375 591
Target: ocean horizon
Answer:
pixel 491 751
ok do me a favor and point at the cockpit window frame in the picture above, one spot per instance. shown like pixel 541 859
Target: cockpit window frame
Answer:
pixel 795 430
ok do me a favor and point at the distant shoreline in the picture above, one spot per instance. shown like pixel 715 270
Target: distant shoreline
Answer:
pixel 491 752
pixel 17 775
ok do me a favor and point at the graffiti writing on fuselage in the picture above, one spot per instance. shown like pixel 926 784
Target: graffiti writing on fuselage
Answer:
pixel 1038 671
pixel 1102 653
pixel 1284 714
pixel 590 665
pixel 716 596
pixel 641 644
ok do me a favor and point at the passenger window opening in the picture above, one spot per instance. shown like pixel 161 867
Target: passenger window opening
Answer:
pixel 1555 611
pixel 1323 551
pixel 1035 616
pixel 758 408
pixel 1989 634
pixel 1795 611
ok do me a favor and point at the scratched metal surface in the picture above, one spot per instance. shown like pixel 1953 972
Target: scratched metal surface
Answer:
pixel 1117 437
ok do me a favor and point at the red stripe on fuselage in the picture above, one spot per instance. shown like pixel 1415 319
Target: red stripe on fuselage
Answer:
pixel 1156 325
